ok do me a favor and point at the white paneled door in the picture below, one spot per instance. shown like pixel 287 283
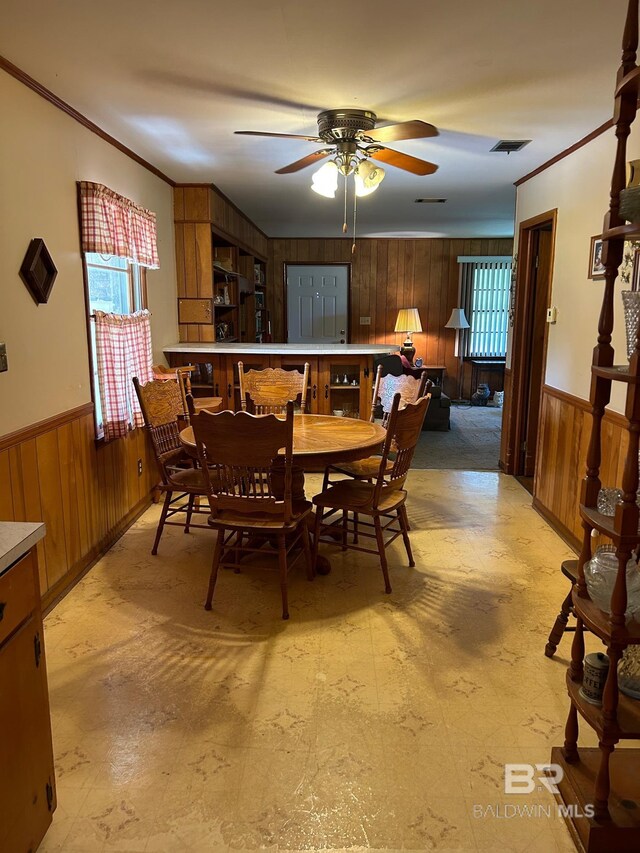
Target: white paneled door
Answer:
pixel 317 303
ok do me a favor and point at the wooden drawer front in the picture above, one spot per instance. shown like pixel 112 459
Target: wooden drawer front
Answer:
pixel 18 595
pixel 195 311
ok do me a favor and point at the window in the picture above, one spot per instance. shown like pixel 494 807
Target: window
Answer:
pixel 116 286
pixel 484 295
pixel 118 241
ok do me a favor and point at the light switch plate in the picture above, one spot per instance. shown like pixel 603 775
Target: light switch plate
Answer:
pixel 3 358
pixel 552 314
pixel 365 321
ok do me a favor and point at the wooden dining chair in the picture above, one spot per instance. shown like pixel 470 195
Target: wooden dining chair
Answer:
pixel 210 404
pixel 383 500
pixel 162 407
pixel 267 391
pixel 252 492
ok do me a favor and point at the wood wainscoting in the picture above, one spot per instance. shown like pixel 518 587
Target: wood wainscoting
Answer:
pixel 565 428
pixel 87 493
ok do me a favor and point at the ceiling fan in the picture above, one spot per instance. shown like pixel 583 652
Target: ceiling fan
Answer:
pixel 353 138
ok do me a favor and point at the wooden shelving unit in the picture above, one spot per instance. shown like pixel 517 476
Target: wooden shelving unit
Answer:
pixel 608 780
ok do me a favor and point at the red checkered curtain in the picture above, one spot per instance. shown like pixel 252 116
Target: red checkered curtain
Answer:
pixel 114 225
pixel 123 346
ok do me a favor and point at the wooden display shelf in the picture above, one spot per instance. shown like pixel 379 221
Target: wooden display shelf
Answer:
pixel 628 713
pixel 617 373
pixel 218 268
pixel 622 232
pixel 622 833
pixel 598 622
pixel 218 306
pixel 343 387
pixel 630 83
pixel 606 524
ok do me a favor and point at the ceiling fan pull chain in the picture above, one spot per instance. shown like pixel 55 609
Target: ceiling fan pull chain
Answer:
pixel 355 210
pixel 344 222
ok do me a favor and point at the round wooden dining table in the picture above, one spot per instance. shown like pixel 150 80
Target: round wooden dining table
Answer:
pixel 321 440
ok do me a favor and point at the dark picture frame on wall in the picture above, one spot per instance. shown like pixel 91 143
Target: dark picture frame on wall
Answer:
pixel 38 271
pixel 596 268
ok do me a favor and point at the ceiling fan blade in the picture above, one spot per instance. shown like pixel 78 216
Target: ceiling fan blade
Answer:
pixel 403 130
pixel 403 161
pixel 277 135
pixel 309 160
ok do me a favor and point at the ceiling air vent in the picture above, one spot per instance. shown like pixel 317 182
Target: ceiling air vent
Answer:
pixel 430 200
pixel 506 146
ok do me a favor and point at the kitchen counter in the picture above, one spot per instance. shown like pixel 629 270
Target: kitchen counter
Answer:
pixel 283 349
pixel 16 538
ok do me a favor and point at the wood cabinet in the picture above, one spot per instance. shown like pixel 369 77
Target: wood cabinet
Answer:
pixel 27 784
pixel 219 266
pixel 327 390
pixel 605 779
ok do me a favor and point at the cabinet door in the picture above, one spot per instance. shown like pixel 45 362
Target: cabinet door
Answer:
pixel 346 386
pixel 27 789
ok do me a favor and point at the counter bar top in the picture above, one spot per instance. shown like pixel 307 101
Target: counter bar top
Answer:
pixel 284 349
pixel 16 538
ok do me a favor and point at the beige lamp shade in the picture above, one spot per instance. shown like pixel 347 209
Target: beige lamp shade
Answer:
pixel 457 320
pixel 408 321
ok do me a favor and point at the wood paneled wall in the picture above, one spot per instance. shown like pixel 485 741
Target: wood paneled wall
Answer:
pixel 387 275
pixel 86 493
pixel 565 428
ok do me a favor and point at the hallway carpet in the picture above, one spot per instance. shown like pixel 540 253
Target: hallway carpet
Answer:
pixel 472 443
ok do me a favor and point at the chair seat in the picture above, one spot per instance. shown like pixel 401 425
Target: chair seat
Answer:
pixel 362 469
pixel 209 404
pixel 260 521
pixel 190 479
pixel 357 496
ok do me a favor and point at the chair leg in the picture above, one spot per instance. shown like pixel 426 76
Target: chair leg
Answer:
pixel 282 560
pixel 217 554
pixel 308 556
pixel 163 517
pixel 237 551
pixel 404 526
pixel 189 512
pixel 355 528
pixel 559 627
pixel 316 536
pixel 382 553
pixel 345 518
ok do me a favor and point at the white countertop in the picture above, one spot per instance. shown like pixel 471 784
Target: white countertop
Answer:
pixel 16 538
pixel 284 349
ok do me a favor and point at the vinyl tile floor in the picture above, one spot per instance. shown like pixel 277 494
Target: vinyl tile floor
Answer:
pixel 366 722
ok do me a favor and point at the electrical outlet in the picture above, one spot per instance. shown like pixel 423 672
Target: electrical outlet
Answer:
pixel 3 358
pixel 139 467
pixel 365 321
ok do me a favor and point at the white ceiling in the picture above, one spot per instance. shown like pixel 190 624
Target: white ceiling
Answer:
pixel 173 80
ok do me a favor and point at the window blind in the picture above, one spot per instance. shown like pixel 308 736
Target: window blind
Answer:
pixel 484 295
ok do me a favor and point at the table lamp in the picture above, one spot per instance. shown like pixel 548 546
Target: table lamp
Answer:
pixel 408 321
pixel 458 321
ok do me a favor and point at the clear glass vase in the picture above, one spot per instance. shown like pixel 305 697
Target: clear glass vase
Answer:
pixel 629 672
pixel 600 574
pixel 631 304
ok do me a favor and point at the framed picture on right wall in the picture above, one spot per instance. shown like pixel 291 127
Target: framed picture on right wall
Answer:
pixel 596 268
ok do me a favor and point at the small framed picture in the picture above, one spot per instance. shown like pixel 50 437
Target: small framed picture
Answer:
pixel 596 268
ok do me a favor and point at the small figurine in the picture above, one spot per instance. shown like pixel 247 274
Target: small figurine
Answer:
pixel 336 381
pixel 355 382
pixel 346 379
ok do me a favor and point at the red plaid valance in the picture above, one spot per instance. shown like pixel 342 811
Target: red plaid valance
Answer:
pixel 114 225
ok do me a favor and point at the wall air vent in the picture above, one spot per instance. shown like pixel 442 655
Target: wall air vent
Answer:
pixel 430 200
pixel 506 146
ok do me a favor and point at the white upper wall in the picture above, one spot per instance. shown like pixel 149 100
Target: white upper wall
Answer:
pixel 578 186
pixel 43 152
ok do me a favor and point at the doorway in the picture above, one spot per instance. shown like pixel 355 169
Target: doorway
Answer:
pixel 530 335
pixel 317 309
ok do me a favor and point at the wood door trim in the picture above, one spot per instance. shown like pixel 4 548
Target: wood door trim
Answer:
pixel 522 314
pixel 39 428
pixel 285 301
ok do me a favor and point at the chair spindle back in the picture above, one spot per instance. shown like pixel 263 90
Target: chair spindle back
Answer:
pixel 270 390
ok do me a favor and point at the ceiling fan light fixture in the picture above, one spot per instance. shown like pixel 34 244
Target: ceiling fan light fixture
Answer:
pixel 368 178
pixel 325 180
